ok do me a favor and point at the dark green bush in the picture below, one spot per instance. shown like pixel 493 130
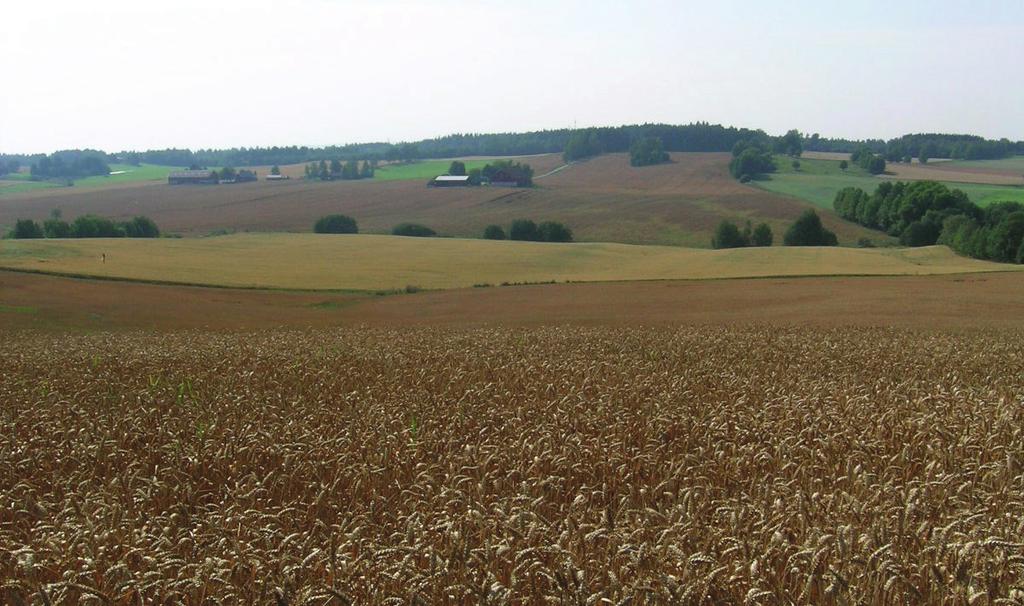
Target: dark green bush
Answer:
pixel 336 224
pixel 141 227
pixel 727 235
pixel 808 231
pixel 413 229
pixel 494 232
pixel 26 229
pixel 525 230
pixel 551 231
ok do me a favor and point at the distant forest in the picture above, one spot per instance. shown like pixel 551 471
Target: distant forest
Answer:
pixel 575 144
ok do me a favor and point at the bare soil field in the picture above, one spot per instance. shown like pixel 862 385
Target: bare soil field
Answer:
pixel 955 174
pixel 955 302
pixel 601 200
pixel 368 263
pixel 566 465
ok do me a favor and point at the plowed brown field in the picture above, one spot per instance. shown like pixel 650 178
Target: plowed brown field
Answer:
pixel 919 302
pixel 601 200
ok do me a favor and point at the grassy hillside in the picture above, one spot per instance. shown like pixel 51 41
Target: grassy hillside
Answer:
pixel 364 262
pixel 818 180
pixel 1012 165
pixel 601 200
pixel 420 171
pixel 126 174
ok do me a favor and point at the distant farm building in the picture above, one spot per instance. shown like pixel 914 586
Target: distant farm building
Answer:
pixel 450 181
pixel 276 177
pixel 184 177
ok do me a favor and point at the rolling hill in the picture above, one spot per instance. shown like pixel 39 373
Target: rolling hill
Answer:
pixel 602 200
pixel 368 262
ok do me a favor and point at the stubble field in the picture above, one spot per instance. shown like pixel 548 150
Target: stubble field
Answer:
pixel 566 465
pixel 369 263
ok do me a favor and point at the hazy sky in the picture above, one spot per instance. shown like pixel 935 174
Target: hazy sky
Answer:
pixel 131 74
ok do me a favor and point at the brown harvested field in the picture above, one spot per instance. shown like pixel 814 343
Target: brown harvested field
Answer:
pixel 816 155
pixel 601 200
pixel 65 304
pixel 565 465
pixel 920 302
pixel 956 174
pixel 29 301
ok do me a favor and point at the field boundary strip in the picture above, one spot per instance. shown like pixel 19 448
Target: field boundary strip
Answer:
pixel 379 292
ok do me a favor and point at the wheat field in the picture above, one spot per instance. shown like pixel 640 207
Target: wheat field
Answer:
pixel 513 466
pixel 368 262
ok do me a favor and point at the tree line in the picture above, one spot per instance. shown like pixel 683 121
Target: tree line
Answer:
pixel 575 143
pixel 928 145
pixel 84 226
pixel 694 137
pixel 526 230
pixel 72 164
pixel 336 170
pixel 923 213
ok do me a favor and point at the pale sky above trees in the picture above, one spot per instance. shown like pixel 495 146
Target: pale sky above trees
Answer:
pixel 124 74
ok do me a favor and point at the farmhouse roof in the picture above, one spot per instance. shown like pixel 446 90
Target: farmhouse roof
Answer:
pixel 192 174
pixel 453 178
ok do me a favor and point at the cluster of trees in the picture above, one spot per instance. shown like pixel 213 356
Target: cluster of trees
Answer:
pixel 647 152
pixel 72 164
pixel 751 158
pixel 350 170
pixel 528 231
pixel 958 147
pixel 791 144
pixel 508 171
pixel 415 230
pixel 728 235
pixel 85 226
pixel 9 165
pixel 808 230
pixel 336 224
pixel 229 173
pixel 925 213
pixel 868 160
pixel 582 144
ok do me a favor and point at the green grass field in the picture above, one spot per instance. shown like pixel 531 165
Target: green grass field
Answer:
pixel 1012 164
pixel 817 182
pixel 366 262
pixel 423 171
pixel 19 182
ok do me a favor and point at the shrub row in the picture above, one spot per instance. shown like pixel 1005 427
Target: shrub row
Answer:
pixel 528 231
pixel 85 226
